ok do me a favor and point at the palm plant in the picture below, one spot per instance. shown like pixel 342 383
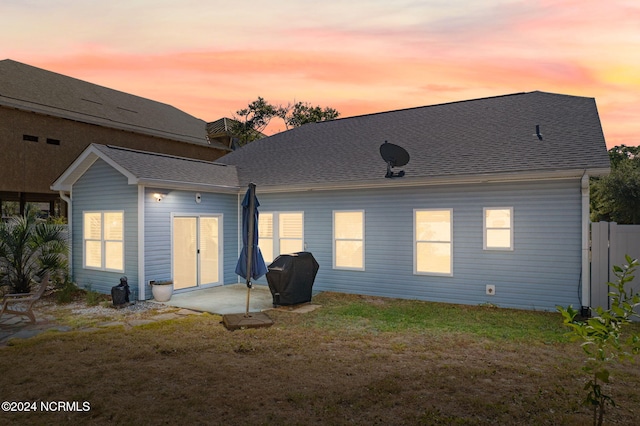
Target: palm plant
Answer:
pixel 29 247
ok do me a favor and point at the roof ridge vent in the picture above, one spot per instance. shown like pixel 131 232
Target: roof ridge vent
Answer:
pixel 160 154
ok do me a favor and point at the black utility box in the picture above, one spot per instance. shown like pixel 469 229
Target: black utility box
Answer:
pixel 291 277
pixel 120 293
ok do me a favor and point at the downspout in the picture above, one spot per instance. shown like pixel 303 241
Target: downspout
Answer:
pixel 239 229
pixel 141 240
pixel 69 229
pixel 586 270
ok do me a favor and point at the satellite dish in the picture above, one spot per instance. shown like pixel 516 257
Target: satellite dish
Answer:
pixel 394 156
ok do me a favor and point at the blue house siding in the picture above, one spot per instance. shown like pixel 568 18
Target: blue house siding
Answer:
pixel 102 188
pixel 157 229
pixel 542 271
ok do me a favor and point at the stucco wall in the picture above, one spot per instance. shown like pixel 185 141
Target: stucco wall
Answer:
pixel 27 166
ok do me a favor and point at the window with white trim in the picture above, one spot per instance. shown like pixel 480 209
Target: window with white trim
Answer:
pixel 280 233
pixel 103 237
pixel 498 228
pixel 265 236
pixel 433 247
pixel 348 239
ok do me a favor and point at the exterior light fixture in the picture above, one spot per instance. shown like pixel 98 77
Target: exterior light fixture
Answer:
pixel 158 196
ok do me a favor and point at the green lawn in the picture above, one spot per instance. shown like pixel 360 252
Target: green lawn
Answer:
pixel 355 360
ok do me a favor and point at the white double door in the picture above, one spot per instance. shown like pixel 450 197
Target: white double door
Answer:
pixel 197 251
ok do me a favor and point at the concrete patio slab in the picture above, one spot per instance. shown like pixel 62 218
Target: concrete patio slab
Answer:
pixel 222 300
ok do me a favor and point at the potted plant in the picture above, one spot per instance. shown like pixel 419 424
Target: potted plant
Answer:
pixel 162 290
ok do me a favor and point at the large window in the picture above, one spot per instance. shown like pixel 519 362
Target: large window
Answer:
pixel 498 228
pixel 280 233
pixel 348 239
pixel 265 236
pixel 432 242
pixel 104 240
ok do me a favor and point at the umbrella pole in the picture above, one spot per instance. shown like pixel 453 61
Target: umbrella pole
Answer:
pixel 248 294
pixel 251 231
pixel 257 319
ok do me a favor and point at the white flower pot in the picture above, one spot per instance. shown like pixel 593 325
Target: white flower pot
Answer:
pixel 162 292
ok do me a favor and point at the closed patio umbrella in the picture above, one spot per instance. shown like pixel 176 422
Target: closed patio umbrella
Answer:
pixel 251 263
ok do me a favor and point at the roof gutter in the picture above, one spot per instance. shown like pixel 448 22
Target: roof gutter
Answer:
pixel 586 228
pixel 187 186
pixel 432 181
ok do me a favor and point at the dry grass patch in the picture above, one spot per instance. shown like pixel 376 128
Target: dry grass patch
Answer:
pixel 353 361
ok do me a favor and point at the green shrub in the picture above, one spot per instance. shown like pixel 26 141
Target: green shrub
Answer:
pixel 29 247
pixel 603 340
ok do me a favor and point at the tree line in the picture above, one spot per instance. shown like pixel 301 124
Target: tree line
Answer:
pixel 616 197
pixel 250 122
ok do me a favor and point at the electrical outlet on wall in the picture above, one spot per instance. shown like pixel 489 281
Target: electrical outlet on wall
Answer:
pixel 491 289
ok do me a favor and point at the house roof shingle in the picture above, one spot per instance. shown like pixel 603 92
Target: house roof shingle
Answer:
pixel 494 135
pixel 220 127
pixel 34 89
pixel 151 166
pixel 153 169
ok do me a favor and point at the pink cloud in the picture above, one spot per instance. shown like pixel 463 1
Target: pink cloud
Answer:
pixel 215 83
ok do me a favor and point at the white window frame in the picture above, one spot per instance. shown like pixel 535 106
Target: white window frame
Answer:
pixel 102 240
pixel 416 241
pixel 485 229
pixel 335 239
pixel 275 235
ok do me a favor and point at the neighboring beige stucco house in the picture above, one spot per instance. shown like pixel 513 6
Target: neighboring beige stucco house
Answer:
pixel 48 119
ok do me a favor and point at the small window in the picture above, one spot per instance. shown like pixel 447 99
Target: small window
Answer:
pixel 103 237
pixel 498 228
pixel 433 247
pixel 53 141
pixel 348 239
pixel 30 138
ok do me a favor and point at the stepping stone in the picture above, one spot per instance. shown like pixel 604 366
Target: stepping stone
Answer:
pixel 184 311
pixel 305 309
pixel 61 328
pixel 164 317
pixel 25 334
pixel 135 323
pixel 12 320
pixel 111 324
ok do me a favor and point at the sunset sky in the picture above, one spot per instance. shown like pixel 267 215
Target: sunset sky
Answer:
pixel 210 58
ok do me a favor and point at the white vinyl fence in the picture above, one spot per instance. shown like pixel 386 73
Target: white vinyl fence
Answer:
pixel 610 243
